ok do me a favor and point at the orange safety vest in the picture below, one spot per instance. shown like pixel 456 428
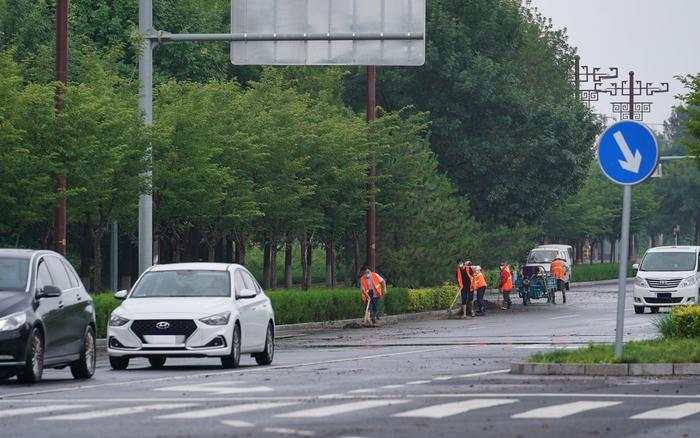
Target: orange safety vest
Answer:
pixel 557 269
pixel 479 280
pixel 377 286
pixel 508 285
pixel 460 280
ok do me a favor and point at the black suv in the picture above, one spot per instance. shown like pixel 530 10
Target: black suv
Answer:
pixel 47 318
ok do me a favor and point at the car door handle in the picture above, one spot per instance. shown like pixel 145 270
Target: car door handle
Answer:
pixel 78 297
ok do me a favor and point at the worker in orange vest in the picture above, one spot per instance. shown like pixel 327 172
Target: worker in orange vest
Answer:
pixel 372 287
pixel 465 282
pixel 480 288
pixel 505 285
pixel 558 270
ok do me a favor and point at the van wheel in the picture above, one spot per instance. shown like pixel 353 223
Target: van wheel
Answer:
pixel 265 358
pixel 654 309
pixel 84 368
pixel 233 359
pixel 4 375
pixel 34 369
pixel 156 362
pixel 118 363
pixel 638 309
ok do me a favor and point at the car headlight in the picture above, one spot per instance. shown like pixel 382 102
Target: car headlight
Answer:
pixel 218 319
pixel 13 322
pixel 117 321
pixel 687 282
pixel 639 281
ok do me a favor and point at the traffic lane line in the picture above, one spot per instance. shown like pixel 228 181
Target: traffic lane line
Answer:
pixel 39 410
pixel 564 410
pixel 574 315
pixel 344 408
pixel 286 431
pixel 449 409
pixel 237 423
pixel 238 371
pixel 669 413
pixel 224 410
pixel 91 415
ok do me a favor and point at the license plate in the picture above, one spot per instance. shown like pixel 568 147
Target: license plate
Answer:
pixel 165 339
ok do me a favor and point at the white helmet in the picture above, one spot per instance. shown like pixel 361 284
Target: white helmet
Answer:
pixel 476 268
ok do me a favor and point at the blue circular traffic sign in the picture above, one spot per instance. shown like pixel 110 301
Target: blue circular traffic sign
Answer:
pixel 628 153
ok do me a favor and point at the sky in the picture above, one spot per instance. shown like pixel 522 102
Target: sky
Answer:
pixel 658 39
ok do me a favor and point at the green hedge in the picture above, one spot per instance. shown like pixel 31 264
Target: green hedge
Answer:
pixel 682 322
pixel 294 306
pixel 652 351
pixel 598 271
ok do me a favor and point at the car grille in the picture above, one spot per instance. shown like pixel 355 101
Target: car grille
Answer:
pixel 148 327
pixel 664 284
pixel 664 300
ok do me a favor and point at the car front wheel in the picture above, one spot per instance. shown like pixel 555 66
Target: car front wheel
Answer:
pixel 654 309
pixel 118 363
pixel 234 358
pixel 638 309
pixel 156 362
pixel 266 356
pixel 84 368
pixel 34 368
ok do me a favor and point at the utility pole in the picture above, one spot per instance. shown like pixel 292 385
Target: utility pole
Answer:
pixel 59 215
pixel 372 174
pixel 146 106
pixel 577 76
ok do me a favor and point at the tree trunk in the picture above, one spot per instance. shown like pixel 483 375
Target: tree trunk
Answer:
pixel 273 266
pixel 329 264
pixel 309 260
pixel 579 252
pixel 653 240
pixel 592 256
pixel 304 263
pixel 85 253
pixel 96 237
pixel 211 252
pixel 632 256
pixel 239 254
pixel 612 250
pixel 229 249
pixel 356 258
pixel 334 259
pixel 177 250
pixel 266 263
pixel 288 273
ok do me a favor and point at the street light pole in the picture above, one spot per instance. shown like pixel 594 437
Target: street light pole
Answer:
pixel 372 174
pixel 59 217
pixel 146 107
pixel 631 253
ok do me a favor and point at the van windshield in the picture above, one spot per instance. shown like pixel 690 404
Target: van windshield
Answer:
pixel 668 261
pixel 541 256
pixel 13 274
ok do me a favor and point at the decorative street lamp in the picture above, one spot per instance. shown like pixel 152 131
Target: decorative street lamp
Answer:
pixel 631 110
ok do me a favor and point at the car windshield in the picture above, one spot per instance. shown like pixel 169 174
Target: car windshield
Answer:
pixel 668 261
pixel 185 283
pixel 13 274
pixel 541 256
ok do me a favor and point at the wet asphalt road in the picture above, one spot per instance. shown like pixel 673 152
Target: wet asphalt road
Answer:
pixel 442 377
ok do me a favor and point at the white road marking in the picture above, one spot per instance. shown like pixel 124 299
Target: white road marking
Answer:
pixel 449 409
pixel 484 373
pixel 670 413
pixel 566 409
pixel 391 386
pixel 212 388
pixel 224 410
pixel 237 423
pixel 573 315
pixel 344 408
pixel 443 378
pixel 39 410
pixel 362 391
pixel 91 415
pixel 285 431
pixel 418 382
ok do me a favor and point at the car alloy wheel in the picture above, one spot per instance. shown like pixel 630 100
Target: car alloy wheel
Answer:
pixel 268 354
pixel 234 358
pixel 84 368
pixel 34 367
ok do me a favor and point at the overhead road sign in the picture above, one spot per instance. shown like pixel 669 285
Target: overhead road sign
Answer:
pixel 628 152
pixel 328 32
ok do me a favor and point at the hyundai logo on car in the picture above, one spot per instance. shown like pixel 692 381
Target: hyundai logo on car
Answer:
pixel 163 325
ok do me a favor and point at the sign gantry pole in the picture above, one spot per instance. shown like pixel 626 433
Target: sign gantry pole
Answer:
pixel 372 174
pixel 59 217
pixel 146 107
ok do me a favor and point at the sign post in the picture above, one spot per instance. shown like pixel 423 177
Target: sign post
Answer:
pixel 628 155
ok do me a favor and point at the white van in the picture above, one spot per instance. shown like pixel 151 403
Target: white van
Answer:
pixel 667 276
pixel 543 255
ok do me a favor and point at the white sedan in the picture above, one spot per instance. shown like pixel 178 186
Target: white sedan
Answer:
pixel 192 310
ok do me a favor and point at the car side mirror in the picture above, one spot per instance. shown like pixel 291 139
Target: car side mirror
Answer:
pixel 121 295
pixel 246 293
pixel 635 266
pixel 49 292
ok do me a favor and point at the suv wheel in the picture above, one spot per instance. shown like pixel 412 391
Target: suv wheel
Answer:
pixel 84 368
pixel 34 368
pixel 266 356
pixel 233 359
pixel 638 309
pixel 156 362
pixel 654 309
pixel 118 363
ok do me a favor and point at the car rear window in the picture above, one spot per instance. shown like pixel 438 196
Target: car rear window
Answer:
pixel 13 274
pixel 183 283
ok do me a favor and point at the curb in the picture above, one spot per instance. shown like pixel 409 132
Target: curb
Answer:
pixel 605 369
pixel 599 282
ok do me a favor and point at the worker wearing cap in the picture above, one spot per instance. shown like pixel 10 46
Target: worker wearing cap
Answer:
pixel 505 284
pixel 558 270
pixel 465 282
pixel 480 288
pixel 372 287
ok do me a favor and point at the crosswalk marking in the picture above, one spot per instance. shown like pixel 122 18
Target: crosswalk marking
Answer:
pixel 344 408
pixel 670 413
pixel 38 410
pixel 449 409
pixel 224 410
pixel 285 431
pixel 237 423
pixel 566 409
pixel 217 388
pixel 91 415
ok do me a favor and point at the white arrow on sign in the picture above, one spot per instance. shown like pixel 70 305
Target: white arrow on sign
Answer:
pixel 631 163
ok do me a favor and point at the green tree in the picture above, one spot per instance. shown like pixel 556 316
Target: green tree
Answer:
pixel 692 111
